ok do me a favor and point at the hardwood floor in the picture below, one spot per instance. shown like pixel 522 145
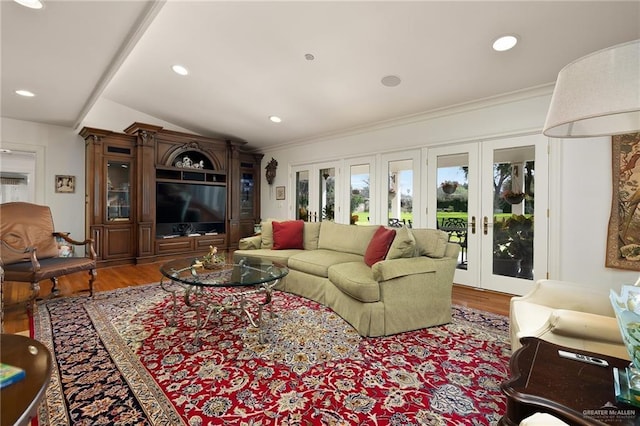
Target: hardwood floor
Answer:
pixel 111 278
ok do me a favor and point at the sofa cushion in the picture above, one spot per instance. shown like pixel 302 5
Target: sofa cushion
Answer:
pixel 287 235
pixel 267 234
pixel 345 238
pixel 317 262
pixel 356 280
pixel 404 244
pixel 430 242
pixel 379 245
pixel 311 234
pixel 276 256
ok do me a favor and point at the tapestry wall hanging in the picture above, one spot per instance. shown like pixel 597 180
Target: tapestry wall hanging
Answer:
pixel 623 239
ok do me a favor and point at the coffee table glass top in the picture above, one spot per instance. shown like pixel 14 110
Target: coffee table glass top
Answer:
pixel 247 272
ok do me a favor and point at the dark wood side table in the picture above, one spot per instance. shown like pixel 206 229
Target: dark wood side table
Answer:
pixel 20 400
pixel 576 392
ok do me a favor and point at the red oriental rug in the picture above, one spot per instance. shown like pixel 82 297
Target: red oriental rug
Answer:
pixel 118 361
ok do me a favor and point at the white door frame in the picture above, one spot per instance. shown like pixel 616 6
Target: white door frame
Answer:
pixel 39 180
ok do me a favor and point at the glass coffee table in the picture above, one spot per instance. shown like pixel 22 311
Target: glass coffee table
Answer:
pixel 252 280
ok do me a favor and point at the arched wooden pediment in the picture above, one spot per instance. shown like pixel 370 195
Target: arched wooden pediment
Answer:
pixel 192 156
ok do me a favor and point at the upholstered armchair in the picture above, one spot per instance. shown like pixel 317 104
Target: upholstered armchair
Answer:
pixel 29 250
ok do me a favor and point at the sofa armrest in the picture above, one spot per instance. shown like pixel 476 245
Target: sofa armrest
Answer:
pixel 452 250
pixel 570 296
pixel 250 243
pixel 581 325
pixel 395 268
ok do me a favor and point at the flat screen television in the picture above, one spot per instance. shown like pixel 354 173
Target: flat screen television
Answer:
pixel 197 205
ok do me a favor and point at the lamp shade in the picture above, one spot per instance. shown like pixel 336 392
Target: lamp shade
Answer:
pixel 597 95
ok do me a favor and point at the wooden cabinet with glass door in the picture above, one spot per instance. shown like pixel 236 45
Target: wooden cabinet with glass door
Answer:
pixel 110 195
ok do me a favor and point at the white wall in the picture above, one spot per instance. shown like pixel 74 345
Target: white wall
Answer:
pixel 59 151
pixel 580 193
pixel 583 208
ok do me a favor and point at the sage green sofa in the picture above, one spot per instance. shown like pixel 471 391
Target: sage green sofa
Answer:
pixel 408 290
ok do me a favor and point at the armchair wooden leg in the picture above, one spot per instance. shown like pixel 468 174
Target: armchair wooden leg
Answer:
pixel 92 278
pixel 31 302
pixel 54 287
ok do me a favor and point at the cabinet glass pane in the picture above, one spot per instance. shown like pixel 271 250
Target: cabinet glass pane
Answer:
pixel 246 195
pixel 118 187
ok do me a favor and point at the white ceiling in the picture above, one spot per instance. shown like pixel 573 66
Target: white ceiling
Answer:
pixel 247 59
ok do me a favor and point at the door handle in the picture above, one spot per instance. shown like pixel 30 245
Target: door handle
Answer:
pixel 486 225
pixel 473 224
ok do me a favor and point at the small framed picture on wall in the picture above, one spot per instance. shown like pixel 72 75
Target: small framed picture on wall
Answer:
pixel 65 184
pixel 280 192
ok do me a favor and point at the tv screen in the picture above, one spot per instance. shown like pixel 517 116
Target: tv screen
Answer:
pixel 190 203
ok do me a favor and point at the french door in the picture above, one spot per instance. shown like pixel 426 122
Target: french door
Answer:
pixel 316 192
pixel 399 180
pixel 453 203
pixel 360 191
pixel 497 209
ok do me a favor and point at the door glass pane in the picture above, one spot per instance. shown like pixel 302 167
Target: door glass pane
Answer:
pixel 327 193
pixel 302 194
pixel 453 201
pixel 513 202
pixel 118 186
pixel 400 193
pixel 360 179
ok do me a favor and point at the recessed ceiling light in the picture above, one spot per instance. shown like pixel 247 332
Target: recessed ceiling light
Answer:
pixel 179 69
pixel 391 80
pixel 309 57
pixel 505 42
pixel 31 4
pixel 275 119
pixel 25 93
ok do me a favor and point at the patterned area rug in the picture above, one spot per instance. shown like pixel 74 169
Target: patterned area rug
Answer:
pixel 119 361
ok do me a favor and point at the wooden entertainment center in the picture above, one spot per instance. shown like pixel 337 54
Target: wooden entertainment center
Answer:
pixel 154 194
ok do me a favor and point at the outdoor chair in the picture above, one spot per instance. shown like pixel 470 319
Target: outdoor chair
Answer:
pixel 29 251
pixel 395 222
pixel 457 229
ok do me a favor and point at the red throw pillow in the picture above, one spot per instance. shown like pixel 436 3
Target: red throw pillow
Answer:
pixel 379 245
pixel 288 235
